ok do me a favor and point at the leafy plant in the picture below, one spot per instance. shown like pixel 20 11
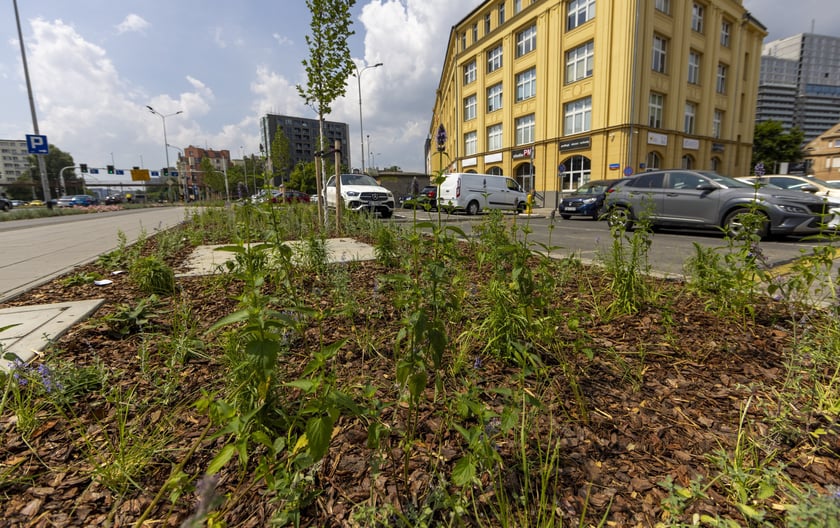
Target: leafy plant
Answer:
pixel 153 276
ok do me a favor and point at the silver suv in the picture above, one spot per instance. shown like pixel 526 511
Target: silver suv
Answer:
pixel 704 199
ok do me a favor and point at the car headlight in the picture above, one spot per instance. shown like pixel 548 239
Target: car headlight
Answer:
pixel 352 193
pixel 589 200
pixel 793 209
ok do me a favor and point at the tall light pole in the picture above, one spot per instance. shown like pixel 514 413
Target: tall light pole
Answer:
pixel 361 126
pixel 165 141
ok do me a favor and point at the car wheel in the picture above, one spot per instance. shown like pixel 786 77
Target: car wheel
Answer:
pixel 472 208
pixel 620 217
pixel 5 206
pixel 565 217
pixel 738 224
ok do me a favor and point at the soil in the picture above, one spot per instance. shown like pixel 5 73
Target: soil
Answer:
pixel 676 391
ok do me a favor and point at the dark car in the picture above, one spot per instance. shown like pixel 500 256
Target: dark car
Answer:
pixel 425 199
pixel 586 200
pixel 704 199
pixel 113 199
pixel 5 204
pixel 290 197
pixel 77 200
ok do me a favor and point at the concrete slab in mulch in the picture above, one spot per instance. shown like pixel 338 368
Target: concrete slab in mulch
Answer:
pixel 29 329
pixel 208 260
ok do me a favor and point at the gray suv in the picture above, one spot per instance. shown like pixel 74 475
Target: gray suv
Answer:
pixel 703 199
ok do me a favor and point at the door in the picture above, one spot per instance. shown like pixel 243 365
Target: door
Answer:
pixel 684 203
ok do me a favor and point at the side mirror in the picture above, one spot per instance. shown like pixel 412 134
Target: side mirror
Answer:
pixel 809 188
pixel 706 187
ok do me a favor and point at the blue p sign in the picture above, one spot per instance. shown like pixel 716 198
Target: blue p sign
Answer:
pixel 37 144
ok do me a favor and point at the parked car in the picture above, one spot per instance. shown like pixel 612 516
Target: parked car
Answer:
pixel 80 200
pixel 36 203
pixel 18 203
pixel 290 197
pixel 796 183
pixel 360 192
pixel 426 198
pixel 586 200
pixel 5 204
pixel 113 199
pixel 703 199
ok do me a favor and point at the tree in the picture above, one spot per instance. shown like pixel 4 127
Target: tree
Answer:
pixel 329 64
pixel 281 159
pixel 56 160
pixel 303 178
pixel 213 178
pixel 772 145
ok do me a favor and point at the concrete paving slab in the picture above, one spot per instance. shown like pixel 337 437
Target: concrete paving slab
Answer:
pixel 32 328
pixel 209 260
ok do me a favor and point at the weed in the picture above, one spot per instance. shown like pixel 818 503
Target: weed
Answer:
pixel 153 276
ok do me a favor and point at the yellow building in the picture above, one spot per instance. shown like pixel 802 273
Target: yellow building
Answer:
pixel 560 92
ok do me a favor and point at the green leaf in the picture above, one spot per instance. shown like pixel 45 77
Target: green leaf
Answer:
pixel 417 384
pixel 464 472
pixel 221 459
pixel 319 434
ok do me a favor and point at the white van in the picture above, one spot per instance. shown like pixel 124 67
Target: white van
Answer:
pixel 463 191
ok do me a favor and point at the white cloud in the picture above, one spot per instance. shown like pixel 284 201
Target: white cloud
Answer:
pixel 282 40
pixel 132 23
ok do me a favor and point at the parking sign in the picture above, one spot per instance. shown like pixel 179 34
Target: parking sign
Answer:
pixel 37 144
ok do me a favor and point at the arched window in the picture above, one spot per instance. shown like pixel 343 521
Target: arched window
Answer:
pixel 523 176
pixel 654 160
pixel 471 171
pixel 716 164
pixel 496 171
pixel 577 171
pixel 687 162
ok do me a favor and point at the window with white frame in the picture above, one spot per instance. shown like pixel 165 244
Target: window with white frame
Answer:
pixel 526 84
pixel 578 116
pixel 517 6
pixel 721 78
pixel 579 12
pixel 693 67
pixel 654 160
pixel 717 123
pixel 660 53
pixel 470 107
pixel 725 32
pixel 525 130
pixel 494 59
pixel 470 143
pixel 579 62
pixel 656 106
pixel 469 72
pixel 690 116
pixel 526 40
pixel 663 6
pixel 494 137
pixel 697 12
pixel 501 13
pixel 494 97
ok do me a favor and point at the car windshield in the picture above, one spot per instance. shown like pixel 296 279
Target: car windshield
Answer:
pixel 591 188
pixel 357 179
pixel 724 181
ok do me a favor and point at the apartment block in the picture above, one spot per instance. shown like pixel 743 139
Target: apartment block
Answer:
pixel 302 135
pixel 14 160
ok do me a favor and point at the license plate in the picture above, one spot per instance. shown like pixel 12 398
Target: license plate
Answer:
pixel 570 208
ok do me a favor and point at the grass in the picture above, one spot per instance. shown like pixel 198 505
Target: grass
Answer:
pixel 467 381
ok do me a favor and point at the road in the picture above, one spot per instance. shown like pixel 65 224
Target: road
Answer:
pixel 36 250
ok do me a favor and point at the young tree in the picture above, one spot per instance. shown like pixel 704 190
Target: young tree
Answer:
pixel 281 159
pixel 303 178
pixel 329 64
pixel 772 145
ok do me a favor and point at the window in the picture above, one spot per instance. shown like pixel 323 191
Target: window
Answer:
pixel 684 180
pixel 725 32
pixel 487 24
pixel 469 107
pixel 687 162
pixel 579 62
pixel 464 40
pixel 578 116
pixel 579 11
pixel 716 164
pixel 664 6
pixel 526 40
pixel 475 33
pixel 654 161
pixel 693 67
pixel 517 6
pixel 495 171
pixel 494 97
pixel 660 53
pixel 578 170
pixel 494 59
pixel 648 181
pixel 469 72
pixel 717 123
pixel 697 11
pixel 494 137
pixel 501 13
pixel 526 84
pixel 525 130
pixel 721 78
pixel 470 143
pixel 690 114
pixel 656 106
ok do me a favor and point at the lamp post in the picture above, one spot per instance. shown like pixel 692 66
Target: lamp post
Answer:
pixel 165 141
pixel 361 126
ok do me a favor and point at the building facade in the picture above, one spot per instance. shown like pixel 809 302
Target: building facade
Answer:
pixel 190 175
pixel 822 155
pixel 14 160
pixel 799 83
pixel 560 92
pixel 302 135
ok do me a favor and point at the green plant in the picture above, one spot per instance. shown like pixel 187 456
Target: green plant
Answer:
pixel 127 320
pixel 80 279
pixel 627 263
pixel 153 276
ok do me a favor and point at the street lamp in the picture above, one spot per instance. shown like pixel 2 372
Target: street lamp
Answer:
pixel 165 141
pixel 361 126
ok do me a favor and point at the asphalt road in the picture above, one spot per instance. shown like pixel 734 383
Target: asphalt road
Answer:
pixel 35 251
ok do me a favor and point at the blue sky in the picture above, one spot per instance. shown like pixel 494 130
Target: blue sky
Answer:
pixel 96 64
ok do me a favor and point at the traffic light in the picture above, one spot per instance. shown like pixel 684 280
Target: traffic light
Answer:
pixel 166 171
pixel 110 169
pixel 83 167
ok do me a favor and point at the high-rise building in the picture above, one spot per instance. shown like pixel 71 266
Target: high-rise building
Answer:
pixel 799 83
pixel 302 135
pixel 557 92
pixel 14 160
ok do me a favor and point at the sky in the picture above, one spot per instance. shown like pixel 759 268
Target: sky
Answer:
pixel 95 65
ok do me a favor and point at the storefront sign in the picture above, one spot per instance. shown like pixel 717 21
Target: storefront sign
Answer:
pixel 691 144
pixel 657 139
pixel 576 144
pixel 522 153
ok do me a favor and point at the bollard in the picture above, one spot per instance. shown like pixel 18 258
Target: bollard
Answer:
pixel 529 202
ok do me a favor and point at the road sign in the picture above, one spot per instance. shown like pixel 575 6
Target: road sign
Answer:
pixel 120 172
pixel 561 168
pixel 94 171
pixel 37 144
pixel 139 174
pixel 628 171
